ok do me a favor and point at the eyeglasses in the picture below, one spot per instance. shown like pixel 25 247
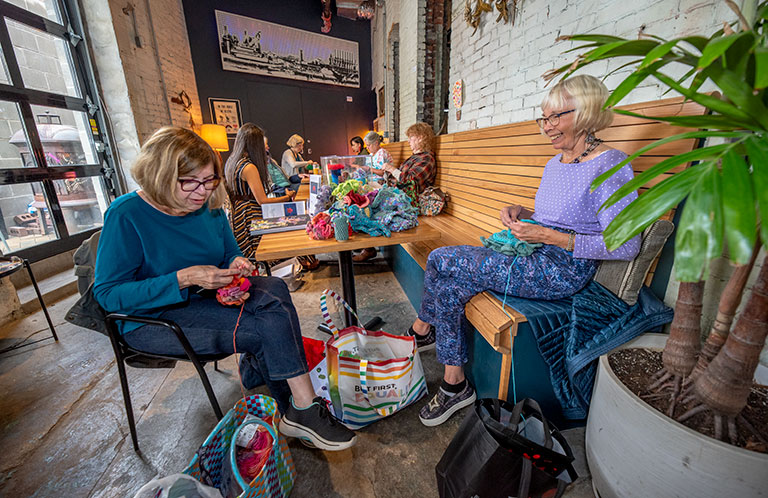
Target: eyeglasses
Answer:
pixel 553 119
pixel 190 185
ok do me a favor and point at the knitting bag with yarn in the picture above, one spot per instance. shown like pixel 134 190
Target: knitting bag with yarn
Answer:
pixel 371 375
pixel 432 201
pixel 276 477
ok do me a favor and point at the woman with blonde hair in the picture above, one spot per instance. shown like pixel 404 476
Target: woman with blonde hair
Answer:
pixel 247 179
pixel 161 245
pixel 293 162
pixel 568 223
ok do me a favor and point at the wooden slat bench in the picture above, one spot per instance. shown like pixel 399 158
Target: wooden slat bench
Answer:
pixel 487 169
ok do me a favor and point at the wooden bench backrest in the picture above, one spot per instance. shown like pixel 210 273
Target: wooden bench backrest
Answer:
pixel 487 169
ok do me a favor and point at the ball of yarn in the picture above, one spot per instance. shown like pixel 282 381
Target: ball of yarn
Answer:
pixel 320 227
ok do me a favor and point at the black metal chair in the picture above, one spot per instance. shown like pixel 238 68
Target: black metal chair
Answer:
pixel 124 353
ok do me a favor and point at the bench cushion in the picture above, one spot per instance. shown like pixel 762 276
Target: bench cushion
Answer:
pixel 625 278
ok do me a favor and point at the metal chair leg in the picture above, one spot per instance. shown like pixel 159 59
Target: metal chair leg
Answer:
pixel 127 399
pixel 40 298
pixel 216 366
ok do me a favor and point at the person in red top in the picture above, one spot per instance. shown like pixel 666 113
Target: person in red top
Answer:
pixel 421 167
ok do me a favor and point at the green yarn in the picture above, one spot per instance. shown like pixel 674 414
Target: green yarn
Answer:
pixel 346 187
pixel 506 243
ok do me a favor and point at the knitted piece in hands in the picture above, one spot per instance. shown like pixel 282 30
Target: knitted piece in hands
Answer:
pixel 506 243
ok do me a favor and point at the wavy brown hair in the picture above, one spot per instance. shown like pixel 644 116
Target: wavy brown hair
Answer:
pixel 172 152
pixel 249 144
pixel 423 132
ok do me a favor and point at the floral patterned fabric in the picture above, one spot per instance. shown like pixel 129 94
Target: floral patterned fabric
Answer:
pixel 457 273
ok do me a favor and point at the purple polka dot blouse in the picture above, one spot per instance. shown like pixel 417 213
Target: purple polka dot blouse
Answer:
pixel 564 200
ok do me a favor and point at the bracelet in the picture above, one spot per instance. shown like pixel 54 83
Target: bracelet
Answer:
pixel 571 240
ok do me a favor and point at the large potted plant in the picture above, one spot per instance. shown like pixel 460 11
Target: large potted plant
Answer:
pixel 726 200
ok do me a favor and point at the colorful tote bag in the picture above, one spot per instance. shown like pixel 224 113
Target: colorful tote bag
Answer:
pixel 432 201
pixel 208 466
pixel 370 375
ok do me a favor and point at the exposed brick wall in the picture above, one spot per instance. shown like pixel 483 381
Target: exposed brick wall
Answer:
pixel 502 64
pixel 435 70
pixel 160 68
pixel 412 58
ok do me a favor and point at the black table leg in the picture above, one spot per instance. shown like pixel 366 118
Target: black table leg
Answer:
pixel 40 298
pixel 347 274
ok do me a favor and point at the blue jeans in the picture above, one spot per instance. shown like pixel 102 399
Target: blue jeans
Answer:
pixel 268 333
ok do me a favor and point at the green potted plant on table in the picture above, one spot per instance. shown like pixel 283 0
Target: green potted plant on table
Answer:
pixel 726 200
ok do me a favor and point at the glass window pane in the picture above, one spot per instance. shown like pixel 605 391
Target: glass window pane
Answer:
pixel 45 8
pixel 25 219
pixel 5 76
pixel 14 147
pixel 83 202
pixel 44 60
pixel 66 136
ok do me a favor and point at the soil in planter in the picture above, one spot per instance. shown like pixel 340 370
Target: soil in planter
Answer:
pixel 636 367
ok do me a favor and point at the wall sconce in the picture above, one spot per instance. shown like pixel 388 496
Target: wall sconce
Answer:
pixel 216 136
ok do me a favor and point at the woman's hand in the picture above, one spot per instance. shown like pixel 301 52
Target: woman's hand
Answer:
pixel 206 276
pixel 290 194
pixel 303 175
pixel 510 215
pixel 244 265
pixel 529 232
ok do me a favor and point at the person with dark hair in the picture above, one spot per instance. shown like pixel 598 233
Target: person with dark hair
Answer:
pixel 162 244
pixel 247 179
pixel 358 146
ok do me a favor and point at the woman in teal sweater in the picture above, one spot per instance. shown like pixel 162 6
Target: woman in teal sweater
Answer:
pixel 161 245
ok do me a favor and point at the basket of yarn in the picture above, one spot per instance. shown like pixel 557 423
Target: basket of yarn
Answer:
pixel 320 227
pixel 341 227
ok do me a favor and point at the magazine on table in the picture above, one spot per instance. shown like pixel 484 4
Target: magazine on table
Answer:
pixel 281 224
pixel 282 209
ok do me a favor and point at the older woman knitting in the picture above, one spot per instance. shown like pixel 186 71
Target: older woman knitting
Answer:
pixel 568 225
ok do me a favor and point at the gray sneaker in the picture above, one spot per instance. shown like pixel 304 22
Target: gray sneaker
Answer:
pixel 316 425
pixel 441 406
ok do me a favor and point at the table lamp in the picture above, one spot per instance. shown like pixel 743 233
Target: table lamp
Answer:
pixel 216 136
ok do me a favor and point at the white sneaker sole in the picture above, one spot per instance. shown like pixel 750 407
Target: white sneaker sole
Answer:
pixel 290 429
pixel 432 422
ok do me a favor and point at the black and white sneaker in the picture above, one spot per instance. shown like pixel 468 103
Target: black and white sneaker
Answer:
pixel 315 424
pixel 423 342
pixel 442 406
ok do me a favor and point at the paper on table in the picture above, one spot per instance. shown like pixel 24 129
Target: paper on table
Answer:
pixel 314 186
pixel 280 209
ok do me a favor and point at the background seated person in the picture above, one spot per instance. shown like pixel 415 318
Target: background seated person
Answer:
pixel 280 181
pixel 248 183
pixel 379 155
pixel 293 163
pixel 162 243
pixel 358 149
pixel 570 226
pixel 421 167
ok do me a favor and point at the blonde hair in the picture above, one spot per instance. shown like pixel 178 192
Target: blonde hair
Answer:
pixel 170 153
pixel 423 132
pixel 294 140
pixel 587 95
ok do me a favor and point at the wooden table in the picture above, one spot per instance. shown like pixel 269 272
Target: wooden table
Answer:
pixel 297 243
pixel 303 193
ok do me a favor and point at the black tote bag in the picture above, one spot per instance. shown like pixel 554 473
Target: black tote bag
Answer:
pixel 501 450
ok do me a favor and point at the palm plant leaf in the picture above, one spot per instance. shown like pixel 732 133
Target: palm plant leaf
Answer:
pixel 739 207
pixel 757 149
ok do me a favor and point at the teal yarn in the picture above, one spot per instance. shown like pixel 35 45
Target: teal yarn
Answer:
pixel 506 243
pixel 341 228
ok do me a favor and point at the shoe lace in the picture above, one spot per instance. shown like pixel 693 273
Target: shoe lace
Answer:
pixel 325 412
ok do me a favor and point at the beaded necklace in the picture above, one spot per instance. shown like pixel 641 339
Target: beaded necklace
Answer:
pixel 592 143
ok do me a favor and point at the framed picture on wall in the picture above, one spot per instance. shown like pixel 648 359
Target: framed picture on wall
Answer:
pixel 226 112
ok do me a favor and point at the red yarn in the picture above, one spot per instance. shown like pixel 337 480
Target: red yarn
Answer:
pixel 356 199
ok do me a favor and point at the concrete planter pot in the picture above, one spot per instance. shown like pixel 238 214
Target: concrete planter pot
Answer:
pixel 635 451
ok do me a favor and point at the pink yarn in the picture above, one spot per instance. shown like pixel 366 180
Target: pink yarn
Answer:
pixel 321 227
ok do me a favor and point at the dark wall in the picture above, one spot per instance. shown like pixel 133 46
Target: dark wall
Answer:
pixel 318 112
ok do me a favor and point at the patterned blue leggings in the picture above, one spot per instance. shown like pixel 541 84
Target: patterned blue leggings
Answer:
pixel 457 273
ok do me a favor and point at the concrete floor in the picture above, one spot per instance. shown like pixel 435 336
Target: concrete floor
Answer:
pixel 64 433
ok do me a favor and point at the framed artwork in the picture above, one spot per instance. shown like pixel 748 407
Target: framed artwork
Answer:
pixel 249 45
pixel 226 112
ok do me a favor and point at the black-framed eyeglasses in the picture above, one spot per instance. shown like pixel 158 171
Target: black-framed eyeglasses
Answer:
pixel 553 119
pixel 190 185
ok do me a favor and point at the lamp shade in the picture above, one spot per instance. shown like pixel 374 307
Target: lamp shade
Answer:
pixel 215 136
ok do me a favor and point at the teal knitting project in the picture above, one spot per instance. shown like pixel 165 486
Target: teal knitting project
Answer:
pixel 506 243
